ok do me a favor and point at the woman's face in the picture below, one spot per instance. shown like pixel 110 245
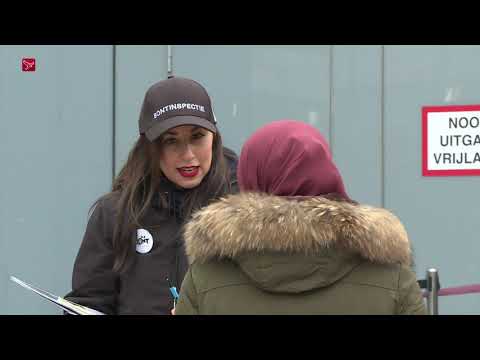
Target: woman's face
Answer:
pixel 186 155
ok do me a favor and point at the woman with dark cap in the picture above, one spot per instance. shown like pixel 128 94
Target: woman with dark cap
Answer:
pixel 132 251
pixel 292 242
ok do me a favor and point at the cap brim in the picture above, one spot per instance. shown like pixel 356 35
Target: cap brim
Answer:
pixel 159 128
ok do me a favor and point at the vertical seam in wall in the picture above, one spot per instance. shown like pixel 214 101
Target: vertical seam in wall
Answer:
pixel 114 70
pixel 382 124
pixel 169 60
pixel 330 117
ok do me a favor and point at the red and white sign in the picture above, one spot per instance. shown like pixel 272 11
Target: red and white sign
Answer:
pixel 451 140
pixel 28 64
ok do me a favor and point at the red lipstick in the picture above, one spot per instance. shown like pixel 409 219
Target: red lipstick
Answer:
pixel 189 171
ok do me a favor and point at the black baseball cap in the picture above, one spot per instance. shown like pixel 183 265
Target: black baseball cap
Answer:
pixel 174 102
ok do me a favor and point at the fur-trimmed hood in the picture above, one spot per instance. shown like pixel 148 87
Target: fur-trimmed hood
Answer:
pixel 259 231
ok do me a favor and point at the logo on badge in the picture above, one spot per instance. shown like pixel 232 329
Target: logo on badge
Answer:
pixel 144 241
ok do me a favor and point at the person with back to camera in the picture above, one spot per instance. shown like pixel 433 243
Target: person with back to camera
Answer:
pixel 132 250
pixel 292 241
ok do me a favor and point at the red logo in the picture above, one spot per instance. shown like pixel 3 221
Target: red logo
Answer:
pixel 28 64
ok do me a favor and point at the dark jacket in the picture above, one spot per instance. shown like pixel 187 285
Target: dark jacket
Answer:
pixel 263 254
pixel 143 288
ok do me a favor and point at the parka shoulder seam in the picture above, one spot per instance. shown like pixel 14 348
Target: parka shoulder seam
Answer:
pixel 370 285
pixel 223 286
pixel 192 269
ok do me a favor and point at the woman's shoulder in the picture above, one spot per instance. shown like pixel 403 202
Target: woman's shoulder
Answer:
pixel 231 159
pixel 107 202
pixel 229 153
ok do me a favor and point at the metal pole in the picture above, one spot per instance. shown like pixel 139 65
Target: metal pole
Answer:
pixel 432 288
pixel 169 61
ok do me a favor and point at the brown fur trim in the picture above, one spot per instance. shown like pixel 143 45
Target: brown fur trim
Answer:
pixel 255 222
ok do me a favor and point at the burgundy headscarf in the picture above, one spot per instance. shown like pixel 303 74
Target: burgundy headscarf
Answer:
pixel 289 158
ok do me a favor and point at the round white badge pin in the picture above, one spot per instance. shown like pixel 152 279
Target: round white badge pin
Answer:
pixel 144 241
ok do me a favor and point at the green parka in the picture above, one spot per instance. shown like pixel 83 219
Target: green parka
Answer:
pixel 263 254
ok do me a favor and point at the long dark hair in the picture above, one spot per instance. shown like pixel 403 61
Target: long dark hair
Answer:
pixel 140 180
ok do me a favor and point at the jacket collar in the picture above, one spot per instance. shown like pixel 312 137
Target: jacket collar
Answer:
pixel 257 222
